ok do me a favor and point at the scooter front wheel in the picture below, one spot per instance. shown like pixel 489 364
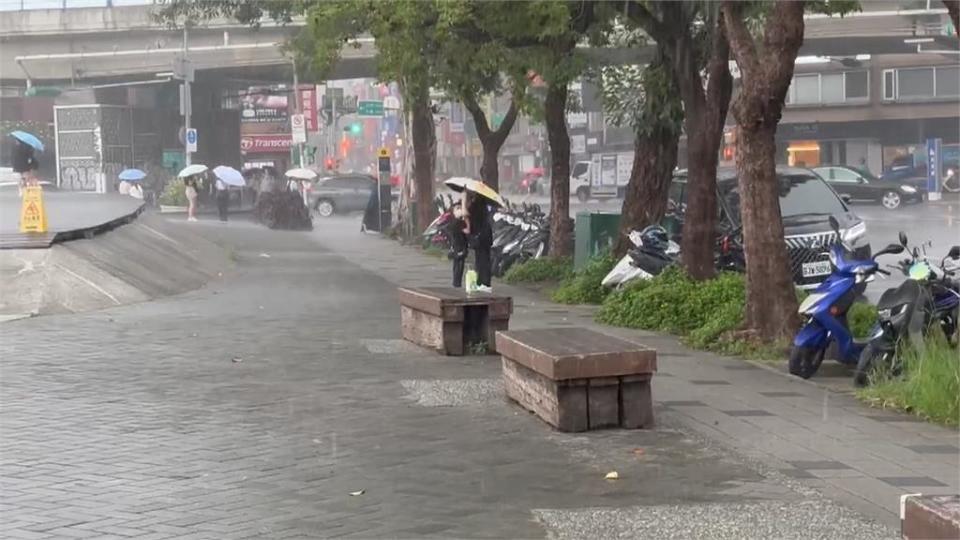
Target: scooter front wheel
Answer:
pixel 805 361
pixel 868 361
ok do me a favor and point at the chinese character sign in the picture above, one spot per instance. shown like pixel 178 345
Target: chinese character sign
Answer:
pixel 308 105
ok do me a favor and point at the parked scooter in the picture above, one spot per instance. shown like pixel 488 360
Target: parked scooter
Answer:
pixel 653 251
pixel 825 309
pixel 519 234
pixel 929 297
pixel 436 233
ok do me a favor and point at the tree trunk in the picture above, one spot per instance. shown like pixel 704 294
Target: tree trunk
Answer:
pixel 654 158
pixel 561 226
pixel 490 166
pixel 771 297
pixel 424 156
pixel 766 70
pixel 705 107
pixel 492 140
pixel 700 217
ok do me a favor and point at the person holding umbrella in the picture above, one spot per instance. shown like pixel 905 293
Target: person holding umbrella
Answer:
pixel 478 219
pixel 189 175
pixel 226 177
pixel 24 158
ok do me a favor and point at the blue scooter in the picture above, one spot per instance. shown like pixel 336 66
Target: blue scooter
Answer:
pixel 825 310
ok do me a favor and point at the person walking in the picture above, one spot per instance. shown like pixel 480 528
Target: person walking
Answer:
pixel 191 192
pixel 223 199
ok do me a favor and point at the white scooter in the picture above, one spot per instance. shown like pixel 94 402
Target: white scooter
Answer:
pixel 642 262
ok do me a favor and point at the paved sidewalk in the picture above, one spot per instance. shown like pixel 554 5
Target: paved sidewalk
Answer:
pixel 823 437
pixel 279 402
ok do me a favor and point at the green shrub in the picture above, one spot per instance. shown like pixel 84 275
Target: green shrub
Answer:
pixel 540 270
pixel 928 387
pixel 583 286
pixel 672 302
pixel 175 194
pixel 861 318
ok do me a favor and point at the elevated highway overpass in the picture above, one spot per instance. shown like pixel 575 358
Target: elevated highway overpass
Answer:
pixel 123 43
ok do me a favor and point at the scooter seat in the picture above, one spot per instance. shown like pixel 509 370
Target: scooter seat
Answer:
pixel 907 292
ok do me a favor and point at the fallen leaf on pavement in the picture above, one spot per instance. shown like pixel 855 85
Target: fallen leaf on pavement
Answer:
pixel 357 493
pixel 638 451
pixel 612 475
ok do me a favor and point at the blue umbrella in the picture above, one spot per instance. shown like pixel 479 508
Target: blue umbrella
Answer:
pixel 132 175
pixel 28 138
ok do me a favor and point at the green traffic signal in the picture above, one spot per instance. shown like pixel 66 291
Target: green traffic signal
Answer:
pixel 356 128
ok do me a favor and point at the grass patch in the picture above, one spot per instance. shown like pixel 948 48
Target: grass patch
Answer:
pixel 583 286
pixel 706 314
pixel 861 317
pixel 540 270
pixel 928 387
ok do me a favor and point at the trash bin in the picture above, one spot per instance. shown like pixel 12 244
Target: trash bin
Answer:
pixel 593 232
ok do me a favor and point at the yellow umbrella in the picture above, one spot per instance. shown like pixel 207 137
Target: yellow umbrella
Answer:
pixel 476 186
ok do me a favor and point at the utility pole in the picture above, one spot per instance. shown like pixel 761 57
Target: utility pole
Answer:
pixel 187 99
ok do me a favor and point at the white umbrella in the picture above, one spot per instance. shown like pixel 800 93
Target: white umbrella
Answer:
pixel 229 176
pixel 301 174
pixel 191 170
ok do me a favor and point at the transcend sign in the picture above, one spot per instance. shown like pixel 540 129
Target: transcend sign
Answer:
pixel 260 144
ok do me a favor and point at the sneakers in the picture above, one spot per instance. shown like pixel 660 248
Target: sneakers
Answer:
pixel 191 219
pixel 484 289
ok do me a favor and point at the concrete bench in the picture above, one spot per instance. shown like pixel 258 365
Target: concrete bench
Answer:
pixel 576 379
pixel 930 517
pixel 451 321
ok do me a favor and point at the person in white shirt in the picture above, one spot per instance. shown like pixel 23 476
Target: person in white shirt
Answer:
pixel 136 191
pixel 124 187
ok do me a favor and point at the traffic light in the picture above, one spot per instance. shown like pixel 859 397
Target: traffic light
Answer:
pixel 328 163
pixel 356 128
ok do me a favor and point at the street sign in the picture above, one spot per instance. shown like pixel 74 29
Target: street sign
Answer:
pixel 384 152
pixel 370 108
pixel 32 216
pixel 298 128
pixel 391 103
pixel 183 69
pixel 191 138
pixel 934 165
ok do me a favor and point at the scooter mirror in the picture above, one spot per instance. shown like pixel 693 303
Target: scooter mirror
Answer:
pixel 954 253
pixel 903 238
pixel 892 249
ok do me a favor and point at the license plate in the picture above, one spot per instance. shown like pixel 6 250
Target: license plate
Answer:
pixel 818 268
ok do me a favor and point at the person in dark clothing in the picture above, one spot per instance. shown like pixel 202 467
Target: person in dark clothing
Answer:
pixel 25 163
pixel 480 228
pixel 223 199
pixel 458 245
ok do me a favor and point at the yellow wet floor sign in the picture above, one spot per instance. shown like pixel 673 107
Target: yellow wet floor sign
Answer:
pixel 33 218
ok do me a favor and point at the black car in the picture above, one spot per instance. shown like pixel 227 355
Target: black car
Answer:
pixel 861 185
pixel 806 204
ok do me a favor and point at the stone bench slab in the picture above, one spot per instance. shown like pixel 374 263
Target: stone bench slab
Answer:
pixel 451 321
pixel 577 379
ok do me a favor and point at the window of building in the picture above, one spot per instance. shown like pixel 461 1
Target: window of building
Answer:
pixel 856 85
pixel 806 89
pixel 915 83
pixel 948 81
pixel 889 84
pixel 831 88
